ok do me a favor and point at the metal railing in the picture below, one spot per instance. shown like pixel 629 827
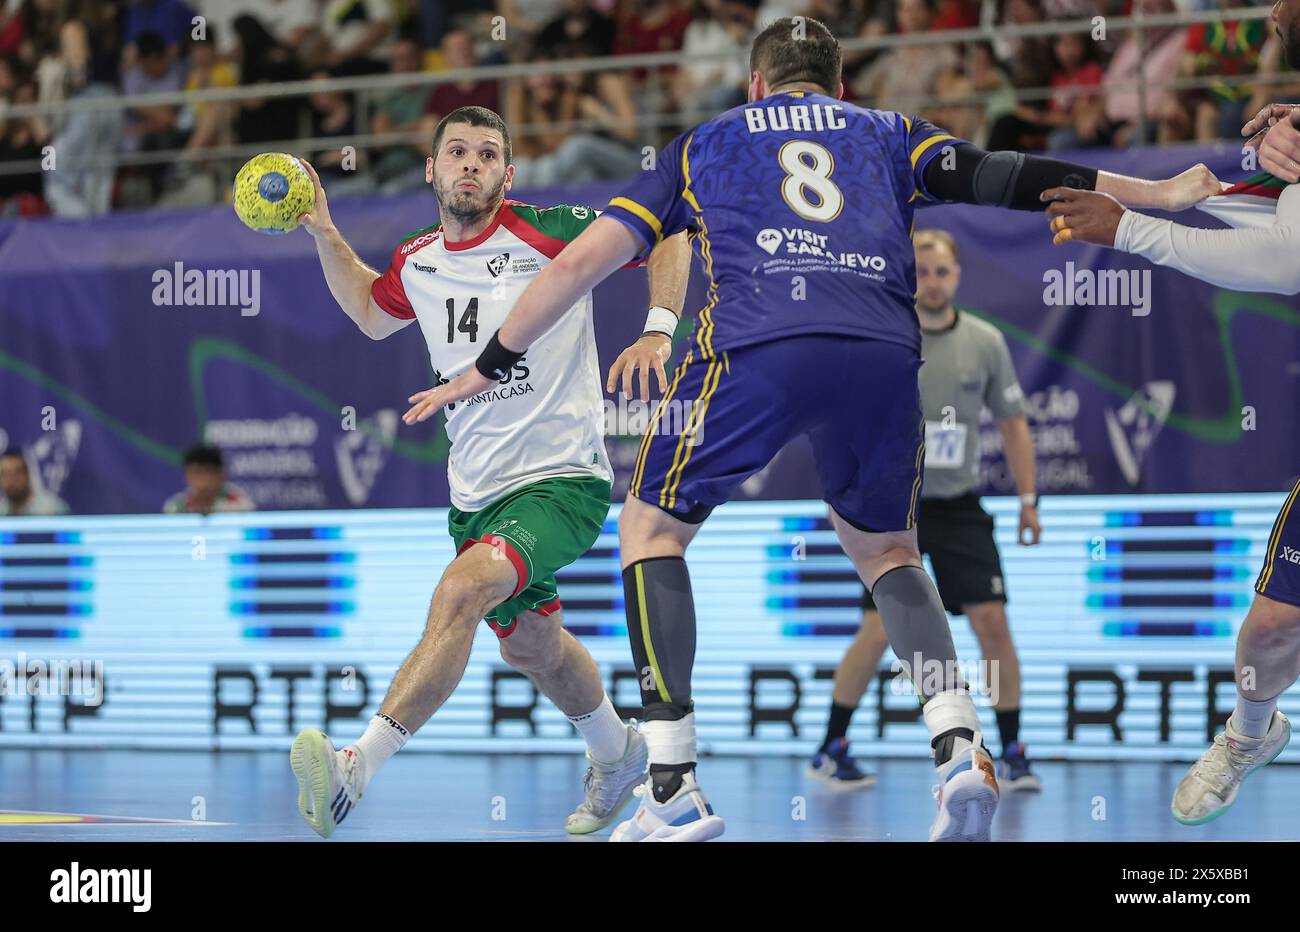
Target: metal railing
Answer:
pixel 370 89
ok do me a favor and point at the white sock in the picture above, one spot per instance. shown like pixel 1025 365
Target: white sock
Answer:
pixel 604 731
pixel 383 738
pixel 1252 718
pixel 671 742
pixel 951 709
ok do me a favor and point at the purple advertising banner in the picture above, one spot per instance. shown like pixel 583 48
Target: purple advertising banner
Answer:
pixel 110 367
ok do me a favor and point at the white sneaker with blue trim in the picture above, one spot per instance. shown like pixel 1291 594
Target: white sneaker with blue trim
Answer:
pixel 685 816
pixel 967 795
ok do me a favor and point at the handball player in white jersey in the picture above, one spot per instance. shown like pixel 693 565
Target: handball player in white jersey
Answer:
pixel 1261 253
pixel 528 471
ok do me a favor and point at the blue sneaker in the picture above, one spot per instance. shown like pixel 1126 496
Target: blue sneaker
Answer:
pixel 1014 774
pixel 834 767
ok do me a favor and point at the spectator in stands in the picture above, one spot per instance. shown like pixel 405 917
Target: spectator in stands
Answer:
pixel 1028 59
pixel 155 127
pixel 341 166
pixel 1157 57
pixel 459 53
pixel 11 29
pixel 1072 116
pixel 17 495
pixel 206 122
pixel 401 110
pixel 1215 50
pixel 645 26
pixel 84 141
pixel 526 16
pixel 170 20
pixel 561 157
pixel 1077 109
pixel 358 35
pixel 955 14
pixel 988 78
pixel 206 489
pixel 580 23
pixel 264 61
pixel 718 27
pixel 290 23
pixel 21 139
pixel 904 78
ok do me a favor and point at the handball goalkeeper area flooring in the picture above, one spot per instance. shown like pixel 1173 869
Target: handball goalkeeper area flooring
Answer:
pixel 87 795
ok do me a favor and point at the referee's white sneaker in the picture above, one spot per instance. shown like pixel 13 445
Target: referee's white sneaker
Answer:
pixel 610 786
pixel 967 795
pixel 1211 784
pixel 327 780
pixel 685 816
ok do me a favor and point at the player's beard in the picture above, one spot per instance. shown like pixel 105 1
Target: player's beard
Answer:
pixel 468 207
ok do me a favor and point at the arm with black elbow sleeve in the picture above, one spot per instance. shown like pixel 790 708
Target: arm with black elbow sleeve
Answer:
pixel 1002 179
pixel 967 174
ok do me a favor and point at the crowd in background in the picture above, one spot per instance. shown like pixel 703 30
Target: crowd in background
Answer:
pixel 56 50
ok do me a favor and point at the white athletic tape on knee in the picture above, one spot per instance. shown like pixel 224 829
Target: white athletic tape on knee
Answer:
pixel 948 710
pixel 671 742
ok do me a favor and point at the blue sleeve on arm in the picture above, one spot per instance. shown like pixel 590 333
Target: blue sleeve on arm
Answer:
pixel 656 204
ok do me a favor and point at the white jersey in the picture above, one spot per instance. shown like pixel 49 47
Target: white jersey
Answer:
pixel 546 417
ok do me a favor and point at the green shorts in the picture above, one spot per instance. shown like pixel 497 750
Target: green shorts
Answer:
pixel 540 528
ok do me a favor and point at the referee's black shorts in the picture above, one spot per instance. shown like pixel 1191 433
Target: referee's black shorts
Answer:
pixel 957 535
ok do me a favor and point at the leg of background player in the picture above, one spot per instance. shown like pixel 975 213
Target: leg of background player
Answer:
pixel 562 670
pixel 832 763
pixel 331 782
pixel 661 627
pixel 988 620
pixel 1268 661
pixel 917 625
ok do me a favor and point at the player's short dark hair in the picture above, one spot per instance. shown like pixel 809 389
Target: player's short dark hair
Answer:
pixel 203 454
pixel 475 116
pixel 797 49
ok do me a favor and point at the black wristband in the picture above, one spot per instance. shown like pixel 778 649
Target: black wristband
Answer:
pixel 496 361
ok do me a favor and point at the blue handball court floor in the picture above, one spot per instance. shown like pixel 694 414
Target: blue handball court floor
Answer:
pixel 89 795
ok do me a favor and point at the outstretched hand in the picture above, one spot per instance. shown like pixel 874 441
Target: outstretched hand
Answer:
pixel 427 403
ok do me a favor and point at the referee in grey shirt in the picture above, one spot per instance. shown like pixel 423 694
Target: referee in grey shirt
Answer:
pixel 967 368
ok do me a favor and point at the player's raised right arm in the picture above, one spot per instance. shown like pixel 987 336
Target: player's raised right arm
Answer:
pixel 349 279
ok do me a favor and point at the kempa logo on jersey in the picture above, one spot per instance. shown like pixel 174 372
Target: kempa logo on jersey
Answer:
pixel 497 265
pixel 419 241
pixel 799 242
pixel 425 268
pixel 1290 554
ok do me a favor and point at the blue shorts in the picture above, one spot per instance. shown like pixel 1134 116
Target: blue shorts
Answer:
pixel 725 417
pixel 1280 577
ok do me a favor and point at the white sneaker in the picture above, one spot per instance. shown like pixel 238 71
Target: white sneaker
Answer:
pixel 967 795
pixel 610 786
pixel 686 816
pixel 327 780
pixel 1211 784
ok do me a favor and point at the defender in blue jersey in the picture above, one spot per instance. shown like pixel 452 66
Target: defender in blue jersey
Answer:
pixel 801 208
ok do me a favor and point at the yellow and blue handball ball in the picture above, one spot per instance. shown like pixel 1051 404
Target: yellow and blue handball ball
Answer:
pixel 272 191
